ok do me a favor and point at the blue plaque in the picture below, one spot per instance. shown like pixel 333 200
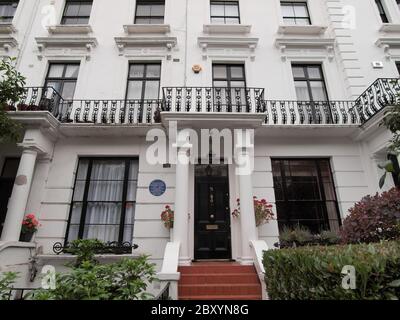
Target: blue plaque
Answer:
pixel 157 188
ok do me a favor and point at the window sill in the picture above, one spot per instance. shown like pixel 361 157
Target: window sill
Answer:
pixel 70 29
pixel 302 30
pixel 7 28
pixel 390 27
pixel 147 28
pixel 226 28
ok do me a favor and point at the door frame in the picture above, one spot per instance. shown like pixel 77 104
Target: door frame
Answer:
pixel 229 218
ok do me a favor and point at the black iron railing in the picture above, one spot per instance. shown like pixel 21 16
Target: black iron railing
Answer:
pixel 38 99
pixel 382 93
pixel 21 293
pixel 164 293
pixel 212 99
pixel 282 112
pixel 107 248
pixel 111 111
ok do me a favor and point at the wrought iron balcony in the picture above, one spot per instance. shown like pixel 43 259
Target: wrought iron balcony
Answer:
pixel 280 112
pixel 212 99
pixel 381 93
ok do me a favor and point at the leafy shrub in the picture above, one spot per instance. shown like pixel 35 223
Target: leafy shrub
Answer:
pixel 300 236
pixel 126 279
pixel 6 282
pixel 314 273
pixel 85 250
pixel 373 219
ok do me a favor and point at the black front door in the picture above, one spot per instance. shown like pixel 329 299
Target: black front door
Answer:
pixel 7 178
pixel 212 215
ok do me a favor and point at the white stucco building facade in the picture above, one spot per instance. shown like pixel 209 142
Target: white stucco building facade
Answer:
pixel 102 75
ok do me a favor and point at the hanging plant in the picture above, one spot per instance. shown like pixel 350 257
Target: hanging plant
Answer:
pixel 167 216
pixel 262 211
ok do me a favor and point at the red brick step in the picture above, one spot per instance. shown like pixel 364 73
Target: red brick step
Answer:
pixel 219 281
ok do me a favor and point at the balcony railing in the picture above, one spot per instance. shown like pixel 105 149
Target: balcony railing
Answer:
pixel 381 93
pixel 111 111
pixel 305 112
pixel 212 99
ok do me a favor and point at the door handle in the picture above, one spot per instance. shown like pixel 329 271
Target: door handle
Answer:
pixel 212 216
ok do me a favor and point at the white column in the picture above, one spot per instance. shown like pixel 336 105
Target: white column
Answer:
pixel 181 217
pixel 19 196
pixel 247 218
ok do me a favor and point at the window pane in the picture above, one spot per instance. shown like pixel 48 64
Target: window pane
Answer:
pixel 220 72
pixel 85 9
pixel 56 71
pixel 221 84
pixel 289 21
pixel 108 170
pixel 238 84
pixel 217 20
pixel 10 168
pixel 156 20
pixel 143 20
pixel 132 187
pixel 56 85
pixel 232 10
pixel 105 191
pixel 134 90
pixel 232 21
pixel 137 71
pixel 72 9
pixel 157 10
pixel 153 71
pixel 152 90
pixel 73 232
pixel 217 10
pixel 314 72
pixel 302 22
pixel 318 91
pixel 143 10
pixel 287 10
pixel 79 190
pixel 301 10
pixel 298 72
pixel 68 90
pixel 302 91
pixel 237 72
pixel 76 213
pixel 72 71
pixel 81 21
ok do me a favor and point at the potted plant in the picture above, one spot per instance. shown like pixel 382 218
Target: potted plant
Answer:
pixel 262 211
pixel 167 217
pixel 29 226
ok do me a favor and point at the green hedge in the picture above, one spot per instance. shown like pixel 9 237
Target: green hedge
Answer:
pixel 314 273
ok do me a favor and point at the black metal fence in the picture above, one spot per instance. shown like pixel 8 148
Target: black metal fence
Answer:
pixel 383 92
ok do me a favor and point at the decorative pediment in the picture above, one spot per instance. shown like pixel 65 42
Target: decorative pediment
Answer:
pixel 79 45
pixel 158 42
pixel 303 47
pixel 243 45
